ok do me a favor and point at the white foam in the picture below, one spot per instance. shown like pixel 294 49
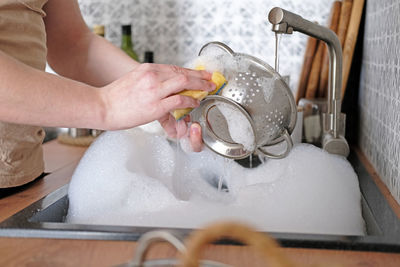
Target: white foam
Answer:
pixel 153 127
pixel 214 59
pixel 135 178
pixel 238 125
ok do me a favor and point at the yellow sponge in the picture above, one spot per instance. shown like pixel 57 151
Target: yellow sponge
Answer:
pixel 217 78
pixel 219 81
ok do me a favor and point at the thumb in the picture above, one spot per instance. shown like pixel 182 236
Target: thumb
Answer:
pixel 196 140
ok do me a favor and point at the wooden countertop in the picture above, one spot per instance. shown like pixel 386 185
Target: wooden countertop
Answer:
pixel 61 161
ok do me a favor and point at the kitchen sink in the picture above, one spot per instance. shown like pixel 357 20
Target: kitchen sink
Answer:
pixel 46 219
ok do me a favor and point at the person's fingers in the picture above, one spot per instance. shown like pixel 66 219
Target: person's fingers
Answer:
pixel 201 74
pixel 168 71
pixel 181 129
pixel 181 82
pixel 196 140
pixel 176 102
pixel 168 123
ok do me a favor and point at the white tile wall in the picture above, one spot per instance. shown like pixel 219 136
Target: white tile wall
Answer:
pixel 380 91
pixel 176 29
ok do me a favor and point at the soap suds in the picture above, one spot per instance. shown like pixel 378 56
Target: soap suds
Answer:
pixel 135 178
pixel 238 125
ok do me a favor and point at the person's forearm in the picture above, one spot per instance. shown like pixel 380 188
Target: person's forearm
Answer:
pixel 33 97
pixel 92 60
pixel 75 52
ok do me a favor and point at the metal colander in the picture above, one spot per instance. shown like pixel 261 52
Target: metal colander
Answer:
pixel 257 93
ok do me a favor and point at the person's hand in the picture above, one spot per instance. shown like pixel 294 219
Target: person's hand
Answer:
pixel 177 129
pixel 148 93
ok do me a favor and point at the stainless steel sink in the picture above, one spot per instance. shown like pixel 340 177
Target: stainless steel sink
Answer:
pixel 45 219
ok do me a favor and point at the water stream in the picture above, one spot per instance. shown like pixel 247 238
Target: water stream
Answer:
pixel 278 37
pixel 221 179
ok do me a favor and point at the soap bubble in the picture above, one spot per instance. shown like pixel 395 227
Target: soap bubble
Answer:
pixel 239 126
pixel 137 178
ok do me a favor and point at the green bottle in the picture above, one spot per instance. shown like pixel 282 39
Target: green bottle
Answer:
pixel 126 43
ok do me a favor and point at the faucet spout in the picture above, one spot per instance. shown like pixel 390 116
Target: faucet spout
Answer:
pixel 282 28
pixel 284 21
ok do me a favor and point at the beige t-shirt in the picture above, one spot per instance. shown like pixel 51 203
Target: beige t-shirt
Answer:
pixel 22 36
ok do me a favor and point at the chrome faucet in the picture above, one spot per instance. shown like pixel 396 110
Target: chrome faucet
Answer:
pixel 284 21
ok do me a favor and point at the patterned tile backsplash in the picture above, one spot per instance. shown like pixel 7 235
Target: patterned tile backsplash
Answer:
pixel 176 29
pixel 379 98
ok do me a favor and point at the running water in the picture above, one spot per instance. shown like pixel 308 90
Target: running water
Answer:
pixel 221 179
pixel 261 158
pixel 278 37
pixel 180 131
pixel 251 161
pixel 178 181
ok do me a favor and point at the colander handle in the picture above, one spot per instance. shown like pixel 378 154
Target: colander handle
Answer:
pixel 219 45
pixel 289 146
